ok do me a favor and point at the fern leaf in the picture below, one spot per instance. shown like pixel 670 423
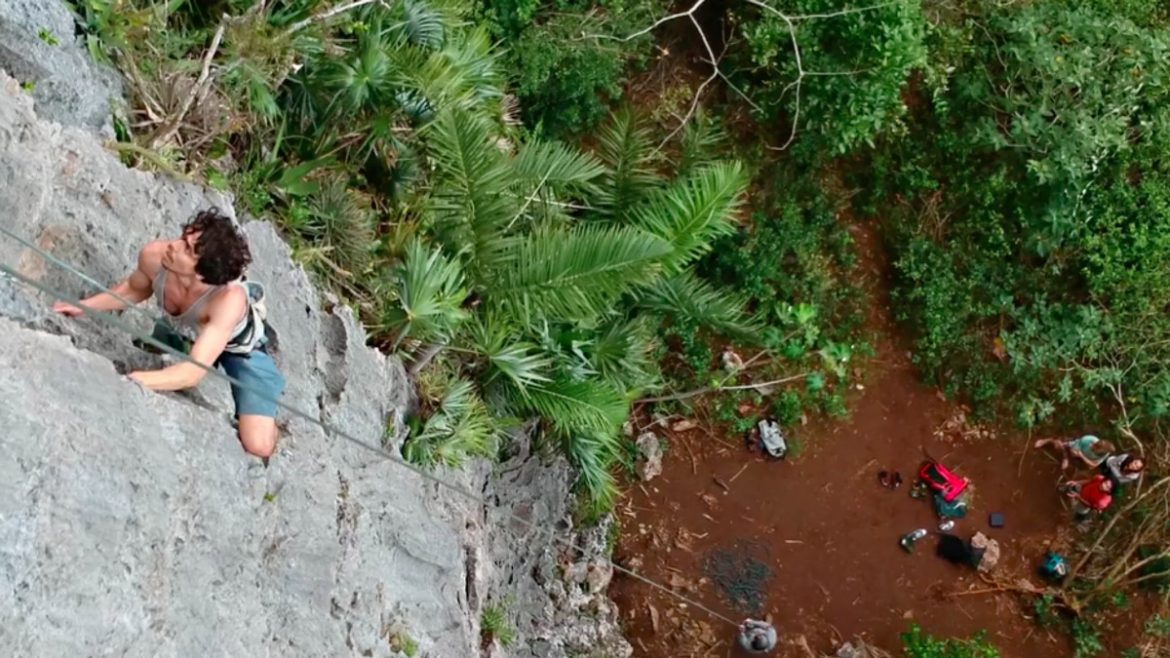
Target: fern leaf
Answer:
pixel 594 457
pixel 588 407
pixel 622 353
pixel 552 165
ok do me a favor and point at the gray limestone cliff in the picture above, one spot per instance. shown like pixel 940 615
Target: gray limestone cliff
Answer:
pixel 131 522
pixel 39 47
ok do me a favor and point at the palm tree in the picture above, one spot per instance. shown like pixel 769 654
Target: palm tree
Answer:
pixel 569 260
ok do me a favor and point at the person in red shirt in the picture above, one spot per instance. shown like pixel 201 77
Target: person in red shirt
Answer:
pixel 1093 495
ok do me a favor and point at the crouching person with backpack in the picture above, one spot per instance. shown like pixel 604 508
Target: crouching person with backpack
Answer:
pixel 211 314
pixel 756 636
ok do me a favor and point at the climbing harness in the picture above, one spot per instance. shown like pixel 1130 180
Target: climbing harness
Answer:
pixel 147 338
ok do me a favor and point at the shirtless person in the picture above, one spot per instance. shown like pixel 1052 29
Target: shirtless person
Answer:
pixel 196 279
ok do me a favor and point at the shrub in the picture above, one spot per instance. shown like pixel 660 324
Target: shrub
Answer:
pixel 917 644
pixel 856 65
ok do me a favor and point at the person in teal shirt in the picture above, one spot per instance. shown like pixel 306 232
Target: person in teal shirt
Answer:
pixel 1088 448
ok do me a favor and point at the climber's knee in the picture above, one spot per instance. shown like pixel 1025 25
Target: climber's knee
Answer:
pixel 258 435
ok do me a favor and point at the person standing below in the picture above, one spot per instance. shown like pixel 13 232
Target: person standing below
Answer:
pixel 1123 468
pixel 1092 495
pixel 1089 449
pixel 210 314
pixel 756 636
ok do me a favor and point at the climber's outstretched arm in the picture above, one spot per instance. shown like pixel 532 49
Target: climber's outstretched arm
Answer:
pixel 134 288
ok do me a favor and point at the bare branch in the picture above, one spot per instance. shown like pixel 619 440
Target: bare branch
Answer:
pixel 172 126
pixel 790 21
pixel 324 16
pixel 719 389
pixel 666 19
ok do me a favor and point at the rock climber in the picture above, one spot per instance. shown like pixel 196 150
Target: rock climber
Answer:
pixel 756 636
pixel 1088 448
pixel 211 315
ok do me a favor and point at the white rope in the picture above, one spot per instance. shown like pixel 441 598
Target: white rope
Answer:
pixel 110 320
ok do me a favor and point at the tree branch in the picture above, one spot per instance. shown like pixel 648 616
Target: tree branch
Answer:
pixel 790 21
pixel 324 16
pixel 204 79
pixel 718 389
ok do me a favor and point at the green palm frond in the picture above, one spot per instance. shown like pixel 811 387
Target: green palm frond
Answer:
pixel 521 362
pixel 468 210
pixel 555 166
pixel 428 294
pixel 622 352
pixel 702 141
pixel 461 427
pixel 590 407
pixel 340 220
pixel 361 81
pixel 574 274
pixel 686 296
pixel 594 457
pixel 462 75
pixel 421 24
pixel 625 147
pixel 474 58
pixel 691 212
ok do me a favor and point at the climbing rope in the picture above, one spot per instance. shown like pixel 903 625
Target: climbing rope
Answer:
pixel 110 320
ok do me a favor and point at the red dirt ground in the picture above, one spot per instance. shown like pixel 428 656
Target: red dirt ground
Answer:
pixel 832 531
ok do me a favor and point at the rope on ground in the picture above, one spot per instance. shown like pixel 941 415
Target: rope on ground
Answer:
pixel 110 320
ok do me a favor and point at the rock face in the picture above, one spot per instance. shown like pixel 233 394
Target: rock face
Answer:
pixel 39 47
pixel 132 523
pixel 556 595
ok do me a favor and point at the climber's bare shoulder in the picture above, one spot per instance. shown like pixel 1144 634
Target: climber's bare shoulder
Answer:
pixel 150 257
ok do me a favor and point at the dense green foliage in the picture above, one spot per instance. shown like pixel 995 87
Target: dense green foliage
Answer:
pixel 854 64
pixel 917 644
pixel 565 75
pixel 1034 221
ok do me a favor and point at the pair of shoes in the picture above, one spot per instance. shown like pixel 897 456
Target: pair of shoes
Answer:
pixel 890 481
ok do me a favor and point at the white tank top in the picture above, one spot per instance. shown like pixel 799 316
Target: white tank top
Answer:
pixel 187 322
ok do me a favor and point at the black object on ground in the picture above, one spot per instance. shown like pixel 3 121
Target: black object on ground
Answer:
pixel 995 520
pixel 954 550
pixel 741 572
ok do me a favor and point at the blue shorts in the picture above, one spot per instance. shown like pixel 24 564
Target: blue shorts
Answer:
pixel 256 371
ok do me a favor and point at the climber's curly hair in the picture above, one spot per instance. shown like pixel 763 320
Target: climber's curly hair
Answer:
pixel 221 247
